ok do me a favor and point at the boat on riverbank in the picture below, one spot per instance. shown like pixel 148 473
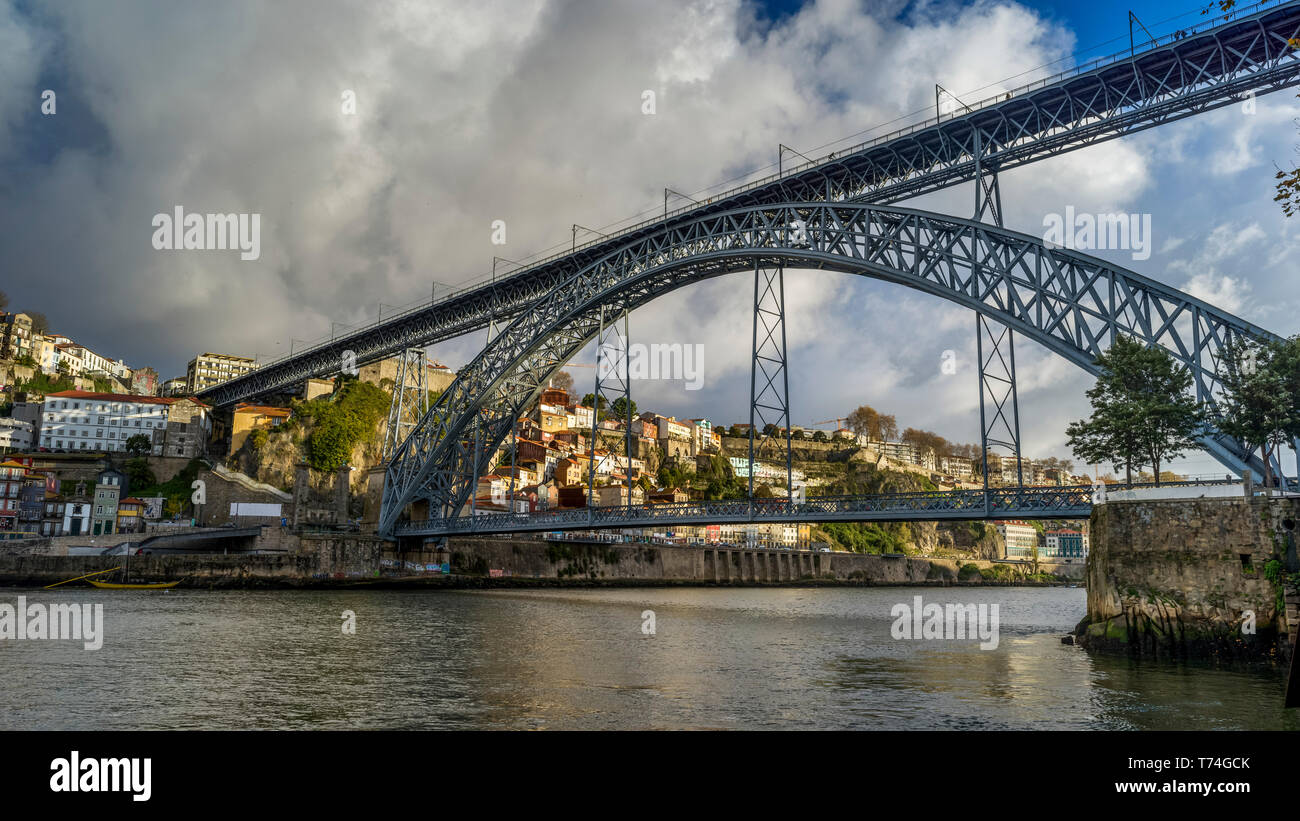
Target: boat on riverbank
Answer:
pixel 127 586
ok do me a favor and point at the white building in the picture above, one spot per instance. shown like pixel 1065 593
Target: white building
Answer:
pixel 15 434
pixel 763 470
pixel 582 416
pixel 957 466
pixel 1021 539
pixel 76 518
pixel 86 421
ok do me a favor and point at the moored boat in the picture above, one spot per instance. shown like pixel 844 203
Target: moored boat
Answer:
pixel 140 586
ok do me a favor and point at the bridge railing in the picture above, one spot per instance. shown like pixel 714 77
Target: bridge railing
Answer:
pixel 999 502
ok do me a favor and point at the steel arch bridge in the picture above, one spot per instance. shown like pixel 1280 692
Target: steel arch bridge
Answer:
pixel 1215 63
pixel 1071 303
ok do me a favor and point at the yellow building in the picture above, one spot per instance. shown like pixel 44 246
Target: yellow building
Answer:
pixel 248 418
pixel 130 515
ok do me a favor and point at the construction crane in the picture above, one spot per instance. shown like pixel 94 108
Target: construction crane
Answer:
pixel 836 421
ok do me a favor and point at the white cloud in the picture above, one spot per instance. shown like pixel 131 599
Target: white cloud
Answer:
pixel 529 112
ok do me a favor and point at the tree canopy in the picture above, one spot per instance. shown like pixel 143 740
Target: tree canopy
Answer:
pixel 1260 403
pixel 1142 413
pixel 867 421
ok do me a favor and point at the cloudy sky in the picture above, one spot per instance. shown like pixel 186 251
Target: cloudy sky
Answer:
pixel 530 112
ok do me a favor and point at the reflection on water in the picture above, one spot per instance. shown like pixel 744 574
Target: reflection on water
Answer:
pixel 560 659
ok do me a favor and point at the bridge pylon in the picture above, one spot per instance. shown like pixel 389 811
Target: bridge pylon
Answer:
pixel 410 399
pixel 997 371
pixel 769 373
pixel 613 379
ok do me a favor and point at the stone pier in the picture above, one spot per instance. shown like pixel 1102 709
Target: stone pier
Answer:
pixel 1192 578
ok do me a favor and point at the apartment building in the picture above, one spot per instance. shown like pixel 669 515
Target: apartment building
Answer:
pixel 16 335
pixel 674 437
pixel 210 369
pixel 701 435
pixel 88 421
pixel 1021 538
pixel 189 426
pixel 1066 544
pixel 110 487
pixel 958 467
pixel 611 495
pixel 764 470
pixel 11 484
pixel 15 434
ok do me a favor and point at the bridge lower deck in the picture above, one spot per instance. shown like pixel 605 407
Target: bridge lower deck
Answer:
pixel 997 503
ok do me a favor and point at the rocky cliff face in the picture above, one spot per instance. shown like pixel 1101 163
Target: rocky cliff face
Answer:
pixel 1196 578
pixel 275 460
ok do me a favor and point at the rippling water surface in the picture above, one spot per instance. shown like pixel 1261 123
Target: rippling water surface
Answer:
pixel 785 658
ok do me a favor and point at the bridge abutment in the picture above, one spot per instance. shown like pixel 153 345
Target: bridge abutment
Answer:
pixel 1192 578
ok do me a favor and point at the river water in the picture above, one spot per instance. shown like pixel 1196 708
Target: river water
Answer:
pixel 744 658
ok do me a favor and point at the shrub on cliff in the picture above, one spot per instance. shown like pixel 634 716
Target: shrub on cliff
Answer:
pixel 342 422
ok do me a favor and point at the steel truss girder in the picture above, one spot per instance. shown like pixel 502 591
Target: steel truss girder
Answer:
pixel 1069 302
pixel 1171 80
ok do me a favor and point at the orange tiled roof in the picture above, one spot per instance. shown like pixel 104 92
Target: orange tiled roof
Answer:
pixel 125 397
pixel 264 410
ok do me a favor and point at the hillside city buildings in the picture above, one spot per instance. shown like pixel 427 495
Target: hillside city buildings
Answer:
pixel 563 453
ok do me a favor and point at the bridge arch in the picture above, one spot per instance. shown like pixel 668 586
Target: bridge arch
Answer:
pixel 1071 303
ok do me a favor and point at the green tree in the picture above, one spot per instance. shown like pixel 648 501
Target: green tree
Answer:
pixel 618 409
pixel 342 422
pixel 1260 405
pixel 139 445
pixel 1142 413
pixel 139 474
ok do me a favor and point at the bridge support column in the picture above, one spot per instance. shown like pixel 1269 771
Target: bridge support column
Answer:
pixel 769 375
pixel 997 372
pixel 410 399
pixel 613 378
pixel 997 382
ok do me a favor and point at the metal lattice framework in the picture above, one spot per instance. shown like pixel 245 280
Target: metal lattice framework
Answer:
pixel 999 405
pixel 613 382
pixel 769 374
pixel 1019 503
pixel 410 399
pixel 1001 503
pixel 1071 303
pixel 1167 79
